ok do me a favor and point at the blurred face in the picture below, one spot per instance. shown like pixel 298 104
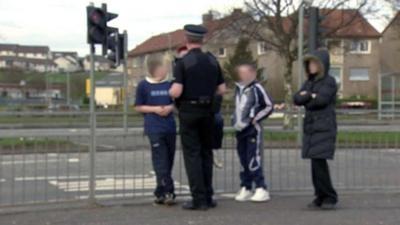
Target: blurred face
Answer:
pixel 182 53
pixel 161 72
pixel 246 73
pixel 313 67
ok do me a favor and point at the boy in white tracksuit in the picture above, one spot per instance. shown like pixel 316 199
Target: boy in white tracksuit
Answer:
pixel 253 105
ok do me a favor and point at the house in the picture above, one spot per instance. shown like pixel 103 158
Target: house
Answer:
pixel 100 64
pixel 109 90
pixel 66 61
pixel 26 57
pixel 14 91
pixel 355 51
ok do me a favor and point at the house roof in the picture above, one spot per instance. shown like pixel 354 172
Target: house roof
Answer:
pixel 396 17
pixel 351 24
pixel 25 48
pixel 357 27
pixel 176 39
pixel 8 47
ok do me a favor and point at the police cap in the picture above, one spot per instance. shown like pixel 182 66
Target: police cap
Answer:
pixel 195 30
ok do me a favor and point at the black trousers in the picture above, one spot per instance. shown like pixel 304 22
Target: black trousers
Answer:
pixel 196 136
pixel 162 155
pixel 321 179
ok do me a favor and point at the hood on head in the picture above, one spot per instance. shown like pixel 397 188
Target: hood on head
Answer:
pixel 322 57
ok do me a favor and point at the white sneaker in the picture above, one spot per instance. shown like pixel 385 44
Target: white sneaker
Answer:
pixel 260 195
pixel 243 195
pixel 217 159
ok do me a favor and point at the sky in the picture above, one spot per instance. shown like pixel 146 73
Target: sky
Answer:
pixel 61 24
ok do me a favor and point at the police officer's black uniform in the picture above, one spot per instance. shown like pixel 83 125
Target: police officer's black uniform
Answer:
pixel 200 74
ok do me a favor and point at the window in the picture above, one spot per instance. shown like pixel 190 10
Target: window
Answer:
pixel 359 74
pixel 222 52
pixel 262 48
pixel 336 72
pixel 334 46
pixel 360 46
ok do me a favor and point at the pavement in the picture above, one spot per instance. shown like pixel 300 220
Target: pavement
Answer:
pixel 354 209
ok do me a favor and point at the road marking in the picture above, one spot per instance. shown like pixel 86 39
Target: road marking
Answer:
pixel 2 180
pixel 139 194
pixel 111 184
pixel 77 177
pixel 71 160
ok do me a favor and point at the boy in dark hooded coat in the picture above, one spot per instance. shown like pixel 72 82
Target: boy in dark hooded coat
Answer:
pixel 318 96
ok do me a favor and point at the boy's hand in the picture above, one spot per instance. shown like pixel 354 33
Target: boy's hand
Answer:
pixel 167 110
pixel 313 95
pixel 303 93
pixel 159 110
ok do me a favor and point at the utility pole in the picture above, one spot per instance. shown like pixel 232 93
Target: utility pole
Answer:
pixel 125 67
pixel 300 69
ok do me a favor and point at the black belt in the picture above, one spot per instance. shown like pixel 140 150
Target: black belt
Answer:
pixel 196 102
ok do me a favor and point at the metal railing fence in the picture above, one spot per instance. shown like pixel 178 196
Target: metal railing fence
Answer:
pixel 53 165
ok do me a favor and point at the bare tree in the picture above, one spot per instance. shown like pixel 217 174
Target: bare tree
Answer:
pixel 276 22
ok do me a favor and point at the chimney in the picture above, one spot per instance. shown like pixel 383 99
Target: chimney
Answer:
pixel 237 12
pixel 207 17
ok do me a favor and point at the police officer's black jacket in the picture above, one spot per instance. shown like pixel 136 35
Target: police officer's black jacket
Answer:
pixel 199 73
pixel 320 126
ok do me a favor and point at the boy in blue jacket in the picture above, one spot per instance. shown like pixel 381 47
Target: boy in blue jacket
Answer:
pixel 153 100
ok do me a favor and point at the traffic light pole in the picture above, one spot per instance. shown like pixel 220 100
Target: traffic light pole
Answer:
pixel 92 146
pixel 300 70
pixel 125 65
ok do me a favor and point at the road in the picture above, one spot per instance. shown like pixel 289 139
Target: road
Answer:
pixel 53 177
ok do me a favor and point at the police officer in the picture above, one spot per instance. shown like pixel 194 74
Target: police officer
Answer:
pixel 197 79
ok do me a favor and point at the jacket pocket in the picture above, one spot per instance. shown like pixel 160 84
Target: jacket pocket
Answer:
pixel 322 124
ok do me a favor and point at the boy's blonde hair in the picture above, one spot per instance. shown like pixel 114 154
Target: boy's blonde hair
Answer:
pixel 155 61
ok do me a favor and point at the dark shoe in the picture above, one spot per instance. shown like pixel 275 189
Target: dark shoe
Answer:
pixel 159 200
pixel 170 199
pixel 190 205
pixel 328 206
pixel 316 204
pixel 212 203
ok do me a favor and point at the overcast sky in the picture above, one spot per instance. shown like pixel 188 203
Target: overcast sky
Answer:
pixel 61 24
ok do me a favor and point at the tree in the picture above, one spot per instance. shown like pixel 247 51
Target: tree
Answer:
pixel 275 22
pixel 242 54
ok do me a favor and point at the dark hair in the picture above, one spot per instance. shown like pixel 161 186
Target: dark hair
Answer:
pixel 251 65
pixel 194 39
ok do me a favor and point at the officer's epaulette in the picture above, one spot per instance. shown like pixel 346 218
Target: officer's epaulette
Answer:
pixel 212 58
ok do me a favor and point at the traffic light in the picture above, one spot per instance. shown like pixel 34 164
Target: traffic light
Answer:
pixel 314 28
pixel 97 19
pixel 115 49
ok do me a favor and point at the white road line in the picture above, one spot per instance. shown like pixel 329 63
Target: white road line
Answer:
pixel 71 160
pixel 111 184
pixel 75 177
pixel 2 180
pixel 120 195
